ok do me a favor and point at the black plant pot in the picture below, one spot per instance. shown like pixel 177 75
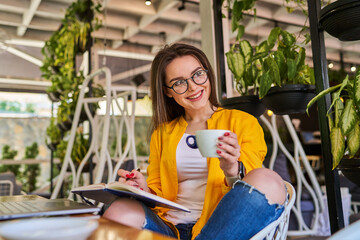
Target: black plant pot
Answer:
pixel 350 167
pixel 52 146
pixel 83 116
pixel 289 99
pixel 341 19
pixel 85 169
pixel 250 104
pixel 54 96
pixel 65 126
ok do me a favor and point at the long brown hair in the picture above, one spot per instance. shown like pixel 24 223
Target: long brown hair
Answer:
pixel 165 108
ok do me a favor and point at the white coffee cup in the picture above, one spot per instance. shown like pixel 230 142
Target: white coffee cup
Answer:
pixel 206 141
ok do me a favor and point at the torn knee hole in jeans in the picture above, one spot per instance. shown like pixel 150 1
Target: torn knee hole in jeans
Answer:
pixel 145 222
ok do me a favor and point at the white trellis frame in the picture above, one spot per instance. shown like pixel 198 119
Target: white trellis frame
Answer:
pixel 99 147
pixel 301 165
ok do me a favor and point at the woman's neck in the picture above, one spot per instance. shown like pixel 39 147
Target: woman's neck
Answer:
pixel 197 120
pixel 200 114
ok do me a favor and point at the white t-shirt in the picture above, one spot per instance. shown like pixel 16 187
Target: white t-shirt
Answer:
pixel 192 174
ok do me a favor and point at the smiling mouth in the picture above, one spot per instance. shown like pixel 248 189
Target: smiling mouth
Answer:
pixel 193 97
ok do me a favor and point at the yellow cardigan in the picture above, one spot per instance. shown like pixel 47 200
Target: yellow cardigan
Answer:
pixel 162 173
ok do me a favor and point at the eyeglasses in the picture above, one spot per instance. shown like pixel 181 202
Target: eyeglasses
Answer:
pixel 181 86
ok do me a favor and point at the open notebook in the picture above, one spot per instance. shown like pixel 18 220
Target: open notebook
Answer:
pixel 22 206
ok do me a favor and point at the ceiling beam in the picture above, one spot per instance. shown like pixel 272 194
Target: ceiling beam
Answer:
pixel 26 42
pixel 187 31
pixel 21 54
pixel 146 20
pixel 122 54
pixel 28 16
pixel 131 73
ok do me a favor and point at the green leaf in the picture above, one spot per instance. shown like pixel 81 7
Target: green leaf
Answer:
pixel 300 59
pixel 280 61
pixel 263 47
pixel 287 39
pixel 307 38
pixel 289 9
pixel 241 30
pixel 311 74
pixel 337 145
pixel 336 95
pixel 356 89
pixel 274 34
pixel 257 56
pixel 339 107
pixel 265 84
pixel 273 69
pixel 248 4
pixel 248 76
pixel 246 50
pixel 236 63
pixel 237 15
pixel 320 95
pixel 331 123
pixel 291 67
pixel 353 140
pixel 348 117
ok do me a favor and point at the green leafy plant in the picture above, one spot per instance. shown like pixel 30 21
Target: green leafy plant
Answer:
pixel 72 38
pixel 344 118
pixel 31 171
pixel 260 68
pixel 60 51
pixel 8 153
pixel 53 132
pixel 237 8
pixel 79 150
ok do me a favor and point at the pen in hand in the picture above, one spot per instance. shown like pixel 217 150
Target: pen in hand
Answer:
pixel 131 175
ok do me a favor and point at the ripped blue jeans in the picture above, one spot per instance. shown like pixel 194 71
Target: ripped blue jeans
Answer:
pixel 240 214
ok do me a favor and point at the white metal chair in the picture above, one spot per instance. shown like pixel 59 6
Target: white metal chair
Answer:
pixel 101 127
pixel 302 167
pixel 6 188
pixel 277 230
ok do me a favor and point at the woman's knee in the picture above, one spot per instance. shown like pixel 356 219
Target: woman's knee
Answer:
pixel 127 212
pixel 269 183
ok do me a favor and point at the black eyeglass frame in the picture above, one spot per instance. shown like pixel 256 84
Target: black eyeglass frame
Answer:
pixel 192 78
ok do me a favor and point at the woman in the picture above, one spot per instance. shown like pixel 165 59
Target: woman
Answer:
pixel 222 206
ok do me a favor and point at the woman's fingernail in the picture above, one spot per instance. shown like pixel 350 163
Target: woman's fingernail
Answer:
pixel 141 189
pixel 220 138
pixel 129 175
pixel 218 151
pixel 219 144
pixel 226 134
pixel 132 174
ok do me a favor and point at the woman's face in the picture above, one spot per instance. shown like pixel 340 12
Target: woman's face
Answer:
pixel 197 96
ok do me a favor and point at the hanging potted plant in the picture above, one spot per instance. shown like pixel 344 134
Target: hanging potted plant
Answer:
pixel 79 149
pixel 273 76
pixel 244 62
pixel 341 19
pixel 238 59
pixel 255 70
pixel 286 82
pixel 344 124
pixel 53 135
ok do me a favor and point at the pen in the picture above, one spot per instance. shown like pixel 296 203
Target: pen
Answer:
pixel 127 175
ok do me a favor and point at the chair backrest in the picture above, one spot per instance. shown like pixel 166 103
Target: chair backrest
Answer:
pixel 6 188
pixel 277 230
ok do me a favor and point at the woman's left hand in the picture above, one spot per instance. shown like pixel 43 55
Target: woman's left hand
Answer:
pixel 229 152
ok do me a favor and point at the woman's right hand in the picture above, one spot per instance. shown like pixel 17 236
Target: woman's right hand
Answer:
pixel 133 178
